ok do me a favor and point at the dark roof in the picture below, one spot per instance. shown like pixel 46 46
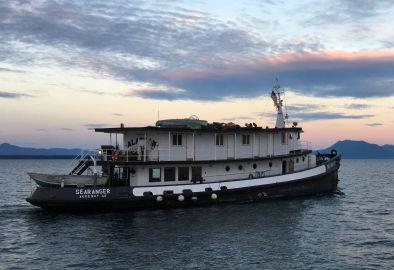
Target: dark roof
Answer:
pixel 201 130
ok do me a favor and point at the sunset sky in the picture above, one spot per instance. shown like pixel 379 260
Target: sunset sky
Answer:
pixel 69 66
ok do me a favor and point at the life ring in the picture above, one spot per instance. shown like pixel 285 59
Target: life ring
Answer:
pixel 334 152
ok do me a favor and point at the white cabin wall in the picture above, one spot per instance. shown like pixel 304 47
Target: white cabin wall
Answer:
pixel 210 172
pixel 244 150
pixel 264 144
pixel 293 141
pixel 255 140
pixel 159 145
pixel 220 150
pixel 204 146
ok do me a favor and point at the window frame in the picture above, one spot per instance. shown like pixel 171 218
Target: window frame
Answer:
pixel 154 180
pixel 245 139
pixel 284 138
pixel 188 173
pixel 194 178
pixel 165 174
pixel 219 140
pixel 177 139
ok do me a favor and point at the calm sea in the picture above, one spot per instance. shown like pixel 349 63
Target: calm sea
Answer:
pixel 350 231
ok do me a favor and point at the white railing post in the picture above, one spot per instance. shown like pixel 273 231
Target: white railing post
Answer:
pixel 169 145
pixel 214 144
pixel 145 147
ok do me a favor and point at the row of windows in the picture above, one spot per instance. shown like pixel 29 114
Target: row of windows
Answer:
pixel 177 139
pixel 183 172
pixel 170 175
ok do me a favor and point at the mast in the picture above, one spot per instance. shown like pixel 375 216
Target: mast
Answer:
pixel 278 102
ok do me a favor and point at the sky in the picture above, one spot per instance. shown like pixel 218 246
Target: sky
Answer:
pixel 67 67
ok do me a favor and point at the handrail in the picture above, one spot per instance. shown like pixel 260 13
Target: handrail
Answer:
pixel 128 156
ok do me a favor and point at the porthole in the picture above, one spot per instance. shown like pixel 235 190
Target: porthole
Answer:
pixel 254 166
pixel 303 158
pixel 240 167
pixel 270 164
pixel 227 168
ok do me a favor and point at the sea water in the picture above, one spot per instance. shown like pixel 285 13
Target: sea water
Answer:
pixel 351 230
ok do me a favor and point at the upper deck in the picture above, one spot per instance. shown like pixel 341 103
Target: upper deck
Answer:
pixel 206 143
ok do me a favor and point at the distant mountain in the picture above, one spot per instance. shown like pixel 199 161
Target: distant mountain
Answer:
pixel 9 150
pixel 361 150
pixel 388 147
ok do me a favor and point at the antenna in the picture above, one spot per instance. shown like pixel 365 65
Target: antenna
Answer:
pixel 278 102
pixel 284 98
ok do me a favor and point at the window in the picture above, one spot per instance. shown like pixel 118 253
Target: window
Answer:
pixel 298 135
pixel 240 167
pixel 183 173
pixel 196 173
pixel 169 174
pixel 219 139
pixel 154 175
pixel 254 165
pixel 227 168
pixel 122 173
pixel 246 139
pixel 176 139
pixel 290 136
pixel 284 138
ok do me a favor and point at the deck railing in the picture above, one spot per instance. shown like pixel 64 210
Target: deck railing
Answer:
pixel 163 154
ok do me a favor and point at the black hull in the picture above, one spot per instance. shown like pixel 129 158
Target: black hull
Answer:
pixel 115 198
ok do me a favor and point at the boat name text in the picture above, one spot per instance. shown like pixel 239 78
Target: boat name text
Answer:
pixel 92 193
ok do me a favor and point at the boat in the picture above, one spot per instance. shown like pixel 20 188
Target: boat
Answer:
pixel 50 180
pixel 190 162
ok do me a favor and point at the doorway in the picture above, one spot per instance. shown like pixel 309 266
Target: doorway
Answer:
pixel 284 167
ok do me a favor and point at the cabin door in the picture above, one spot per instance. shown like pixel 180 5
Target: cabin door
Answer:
pixel 284 167
pixel 189 147
pixel 256 145
pixel 230 146
pixel 291 166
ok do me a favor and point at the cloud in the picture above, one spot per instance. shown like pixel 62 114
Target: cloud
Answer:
pixel 237 118
pixel 345 11
pixel 324 74
pixel 138 34
pixel 357 106
pixel 12 95
pixel 95 125
pixel 11 70
pixel 303 107
pixel 118 114
pixel 41 129
pixel 192 54
pixel 162 94
pixel 374 124
pixel 308 115
pixel 314 116
pixel 67 129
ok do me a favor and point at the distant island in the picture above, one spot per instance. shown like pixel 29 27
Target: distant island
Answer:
pixel 8 151
pixel 361 150
pixel 348 149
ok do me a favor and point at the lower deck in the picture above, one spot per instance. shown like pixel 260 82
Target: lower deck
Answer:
pixel 171 174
